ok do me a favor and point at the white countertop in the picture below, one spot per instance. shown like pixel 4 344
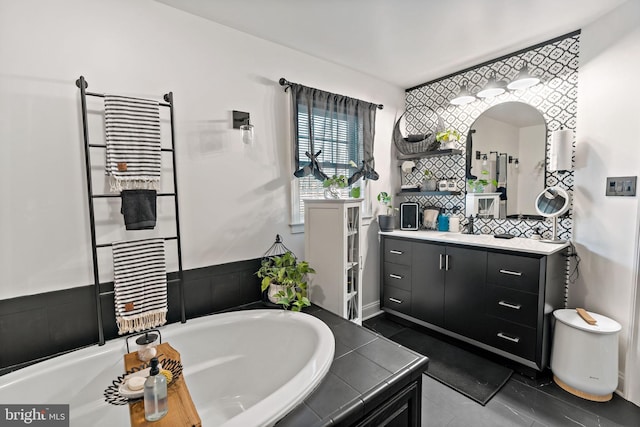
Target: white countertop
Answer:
pixel 517 244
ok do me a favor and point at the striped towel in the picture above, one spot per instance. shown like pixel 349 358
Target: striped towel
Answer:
pixel 133 155
pixel 140 284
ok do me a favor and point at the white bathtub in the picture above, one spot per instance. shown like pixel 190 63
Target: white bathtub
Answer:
pixel 243 368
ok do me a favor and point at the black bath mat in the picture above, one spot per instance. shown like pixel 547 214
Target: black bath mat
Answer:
pixel 473 376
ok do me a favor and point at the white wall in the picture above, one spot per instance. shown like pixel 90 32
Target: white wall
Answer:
pixel 608 129
pixel 530 174
pixel 233 198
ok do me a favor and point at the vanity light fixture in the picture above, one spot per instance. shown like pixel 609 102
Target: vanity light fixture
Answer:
pixel 464 96
pixel 247 133
pixel 241 120
pixel 492 88
pixel 484 160
pixel 515 161
pixel 523 79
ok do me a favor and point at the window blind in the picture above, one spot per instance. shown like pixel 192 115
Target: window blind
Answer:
pixel 339 137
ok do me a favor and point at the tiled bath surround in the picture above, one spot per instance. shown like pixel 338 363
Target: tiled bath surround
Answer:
pixel 556 63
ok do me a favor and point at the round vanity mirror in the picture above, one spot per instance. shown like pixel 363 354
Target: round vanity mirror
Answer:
pixel 551 203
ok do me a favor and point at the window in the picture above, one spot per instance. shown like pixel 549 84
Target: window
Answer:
pixel 339 137
pixel 340 131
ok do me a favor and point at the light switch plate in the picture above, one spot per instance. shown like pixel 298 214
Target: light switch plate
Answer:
pixel 621 185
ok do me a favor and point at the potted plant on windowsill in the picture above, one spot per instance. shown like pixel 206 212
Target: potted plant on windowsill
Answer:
pixel 333 185
pixel 285 278
pixel 448 138
pixel 385 221
pixel 477 185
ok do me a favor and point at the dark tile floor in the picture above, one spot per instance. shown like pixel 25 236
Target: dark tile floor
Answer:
pixel 523 401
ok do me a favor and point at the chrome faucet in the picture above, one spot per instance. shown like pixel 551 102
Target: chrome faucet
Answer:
pixel 468 228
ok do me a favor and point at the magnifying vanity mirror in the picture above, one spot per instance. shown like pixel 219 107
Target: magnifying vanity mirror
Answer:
pixel 553 202
pixel 507 143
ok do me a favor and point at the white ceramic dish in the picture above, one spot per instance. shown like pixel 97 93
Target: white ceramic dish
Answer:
pixel 130 394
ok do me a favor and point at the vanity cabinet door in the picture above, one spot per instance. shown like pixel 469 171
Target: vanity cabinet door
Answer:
pixel 427 289
pixel 464 291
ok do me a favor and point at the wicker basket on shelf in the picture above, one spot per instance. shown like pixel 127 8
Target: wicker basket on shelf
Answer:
pixel 419 143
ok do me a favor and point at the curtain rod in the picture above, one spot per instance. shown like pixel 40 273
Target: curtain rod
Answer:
pixel 285 82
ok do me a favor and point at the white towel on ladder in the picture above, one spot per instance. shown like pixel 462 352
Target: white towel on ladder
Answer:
pixel 132 135
pixel 140 284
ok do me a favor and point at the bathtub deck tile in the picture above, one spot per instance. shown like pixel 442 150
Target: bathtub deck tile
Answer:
pixel 302 415
pixel 359 372
pixel 386 354
pixel 352 335
pixel 331 395
pixel 329 318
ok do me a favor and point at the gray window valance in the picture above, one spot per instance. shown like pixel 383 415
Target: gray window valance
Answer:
pixel 331 132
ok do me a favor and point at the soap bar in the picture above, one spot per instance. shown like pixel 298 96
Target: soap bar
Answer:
pixel 136 383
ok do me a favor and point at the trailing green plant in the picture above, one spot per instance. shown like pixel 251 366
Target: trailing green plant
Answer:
pixel 385 200
pixel 448 135
pixel 291 275
pixel 428 174
pixel 477 185
pixel 340 181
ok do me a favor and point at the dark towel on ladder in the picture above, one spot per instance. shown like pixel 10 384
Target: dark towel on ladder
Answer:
pixel 139 209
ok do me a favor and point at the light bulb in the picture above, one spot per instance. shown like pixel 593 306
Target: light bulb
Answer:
pixel 247 133
pixel 463 97
pixel 492 88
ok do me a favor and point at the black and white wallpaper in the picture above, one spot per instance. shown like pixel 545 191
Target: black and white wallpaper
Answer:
pixel 556 63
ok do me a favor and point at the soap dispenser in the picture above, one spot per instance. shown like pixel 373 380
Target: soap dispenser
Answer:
pixel 443 221
pixel 155 394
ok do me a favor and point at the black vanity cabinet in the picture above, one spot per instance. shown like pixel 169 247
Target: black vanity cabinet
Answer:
pixel 464 292
pixel 439 284
pixel 499 300
pixel 427 296
pixel 521 289
pixel 396 275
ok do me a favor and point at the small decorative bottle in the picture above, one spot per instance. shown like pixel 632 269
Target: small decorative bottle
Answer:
pixel 451 184
pixel 155 394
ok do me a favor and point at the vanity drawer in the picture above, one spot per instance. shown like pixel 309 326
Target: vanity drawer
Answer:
pixel 512 305
pixel 513 271
pixel 397 299
pixel 397 275
pixel 397 251
pixel 515 339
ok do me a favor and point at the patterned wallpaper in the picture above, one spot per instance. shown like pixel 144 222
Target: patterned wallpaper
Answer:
pixel 556 63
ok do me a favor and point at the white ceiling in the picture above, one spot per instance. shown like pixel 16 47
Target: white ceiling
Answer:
pixel 403 42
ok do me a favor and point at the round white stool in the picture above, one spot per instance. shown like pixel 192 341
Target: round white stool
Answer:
pixel 584 357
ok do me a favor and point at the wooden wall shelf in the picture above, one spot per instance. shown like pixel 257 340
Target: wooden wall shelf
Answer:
pixel 447 152
pixel 428 193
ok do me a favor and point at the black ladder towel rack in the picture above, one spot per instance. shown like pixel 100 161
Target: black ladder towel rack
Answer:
pixel 81 83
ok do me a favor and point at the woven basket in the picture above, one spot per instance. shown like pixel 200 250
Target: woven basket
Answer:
pixel 421 143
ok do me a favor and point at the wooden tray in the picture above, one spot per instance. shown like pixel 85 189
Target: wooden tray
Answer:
pixel 182 411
